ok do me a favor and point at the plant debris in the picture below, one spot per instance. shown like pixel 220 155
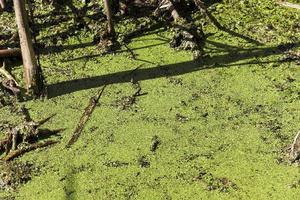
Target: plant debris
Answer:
pixel 25 136
pixel 155 142
pixel 181 118
pixel 127 102
pixel 13 174
pixel 143 162
pixel 116 164
pixel 213 183
pixel 291 56
pixel 188 38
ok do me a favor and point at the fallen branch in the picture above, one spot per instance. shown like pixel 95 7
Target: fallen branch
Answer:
pixel 288 4
pixel 16 52
pixel 6 73
pixel 84 118
pixel 13 154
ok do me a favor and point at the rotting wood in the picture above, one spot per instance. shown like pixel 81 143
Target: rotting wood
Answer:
pixel 85 117
pixel 15 52
pixel 33 73
pixel 13 154
pixel 288 4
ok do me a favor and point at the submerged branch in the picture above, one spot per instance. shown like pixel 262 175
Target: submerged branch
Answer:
pixel 85 117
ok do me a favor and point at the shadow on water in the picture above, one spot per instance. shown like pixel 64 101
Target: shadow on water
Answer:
pixel 70 185
pixel 72 47
pixel 218 61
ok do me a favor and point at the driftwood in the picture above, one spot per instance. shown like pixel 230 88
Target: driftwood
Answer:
pixel 4 53
pixel 13 154
pixel 84 118
pixel 288 4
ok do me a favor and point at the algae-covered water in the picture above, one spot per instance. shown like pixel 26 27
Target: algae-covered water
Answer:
pixel 220 125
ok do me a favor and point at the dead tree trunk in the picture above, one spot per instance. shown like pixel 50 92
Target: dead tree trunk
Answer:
pixel 33 74
pixel 110 25
pixel 2 4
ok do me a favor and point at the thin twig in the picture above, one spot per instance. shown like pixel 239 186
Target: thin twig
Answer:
pixel 84 118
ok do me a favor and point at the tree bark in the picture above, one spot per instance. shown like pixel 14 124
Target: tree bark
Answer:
pixel 2 4
pixel 33 74
pixel 110 27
